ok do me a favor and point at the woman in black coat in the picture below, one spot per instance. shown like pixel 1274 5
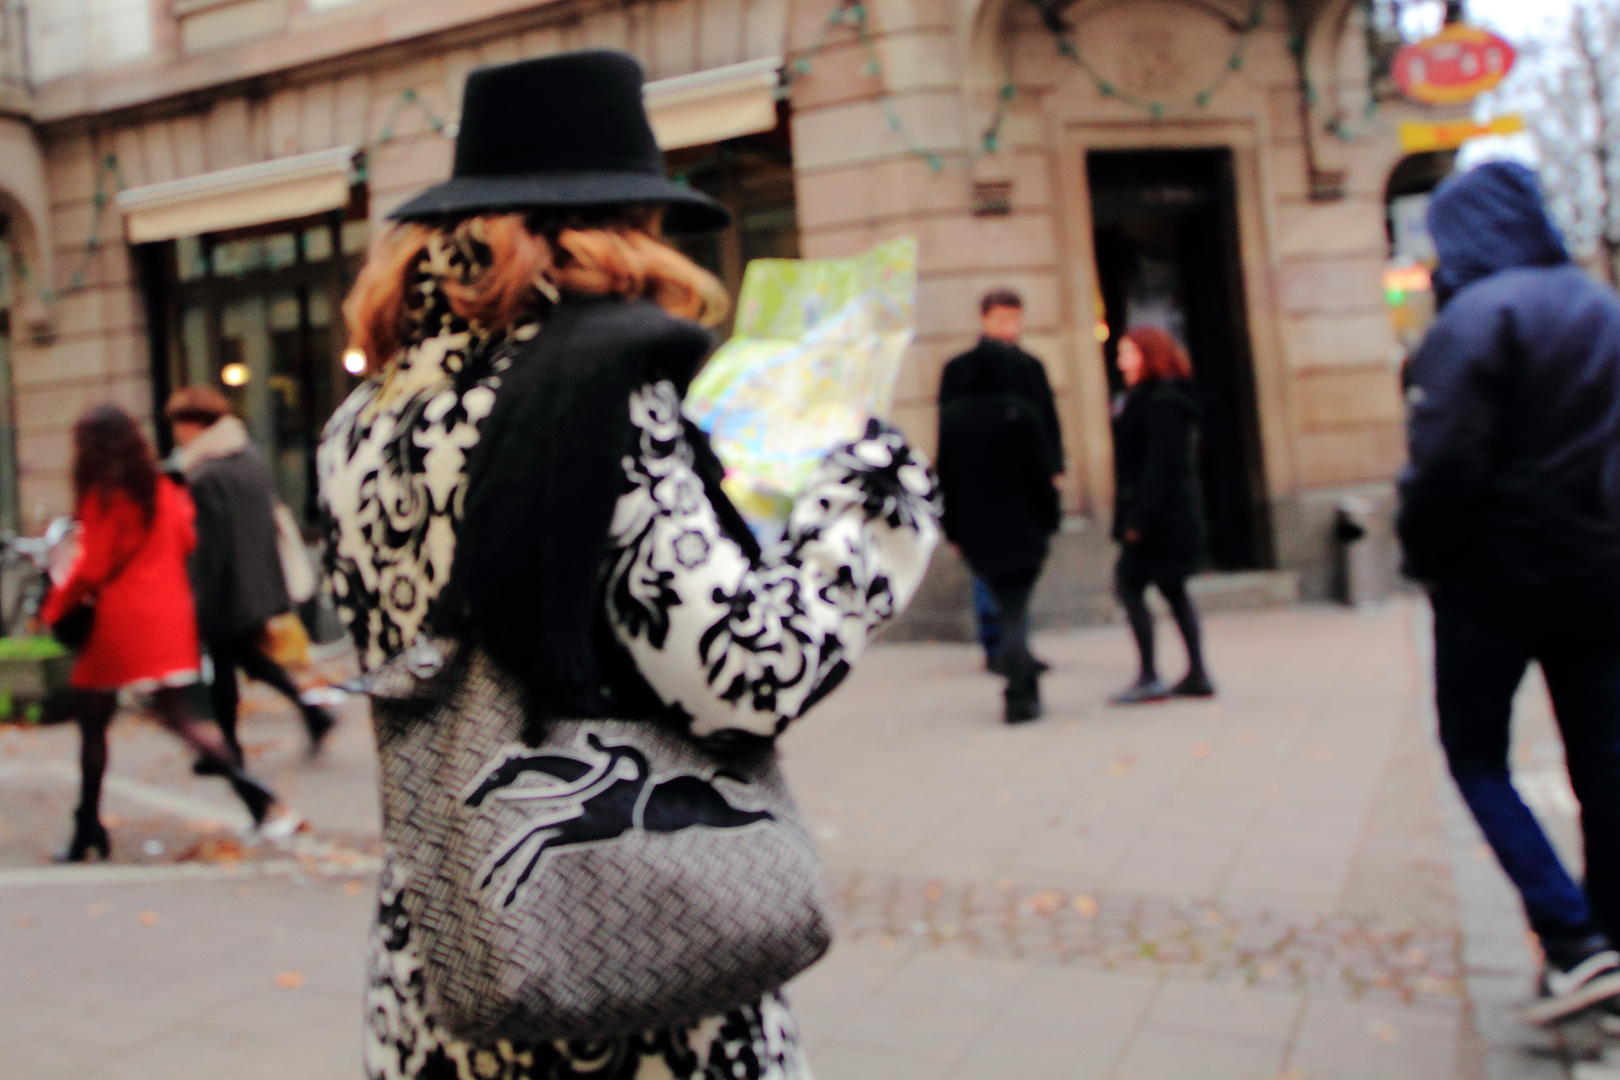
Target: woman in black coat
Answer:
pixel 1156 506
pixel 236 568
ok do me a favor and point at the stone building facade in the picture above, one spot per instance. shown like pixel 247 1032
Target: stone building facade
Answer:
pixel 187 186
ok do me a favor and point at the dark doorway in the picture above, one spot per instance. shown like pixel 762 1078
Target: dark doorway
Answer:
pixel 1165 227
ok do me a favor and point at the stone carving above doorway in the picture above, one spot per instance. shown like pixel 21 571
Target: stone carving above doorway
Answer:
pixel 1151 64
pixel 1153 50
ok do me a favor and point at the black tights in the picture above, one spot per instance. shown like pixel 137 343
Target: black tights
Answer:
pixel 1131 578
pixel 95 709
pixel 243 653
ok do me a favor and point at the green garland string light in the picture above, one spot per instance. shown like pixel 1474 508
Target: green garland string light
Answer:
pixel 408 98
pixel 1052 20
pixel 1338 127
pixel 108 169
pixel 853 14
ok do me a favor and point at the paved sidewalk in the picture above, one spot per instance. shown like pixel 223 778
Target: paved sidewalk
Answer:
pixel 1272 886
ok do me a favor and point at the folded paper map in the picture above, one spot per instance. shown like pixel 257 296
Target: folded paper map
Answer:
pixel 816 353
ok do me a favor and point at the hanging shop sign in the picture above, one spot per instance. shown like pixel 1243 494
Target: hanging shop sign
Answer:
pixel 1418 136
pixel 1453 67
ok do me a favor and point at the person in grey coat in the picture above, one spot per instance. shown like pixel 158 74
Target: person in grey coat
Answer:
pixel 236 571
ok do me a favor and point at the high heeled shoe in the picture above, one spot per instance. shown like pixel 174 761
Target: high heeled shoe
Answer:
pixel 89 834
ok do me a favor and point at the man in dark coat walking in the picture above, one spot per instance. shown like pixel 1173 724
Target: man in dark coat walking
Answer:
pixel 236 572
pixel 1000 457
pixel 1510 513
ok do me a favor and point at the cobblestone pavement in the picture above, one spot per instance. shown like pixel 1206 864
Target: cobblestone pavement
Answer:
pixel 1147 935
pixel 1272 886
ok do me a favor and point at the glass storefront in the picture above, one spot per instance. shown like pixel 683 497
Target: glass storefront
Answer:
pixel 255 312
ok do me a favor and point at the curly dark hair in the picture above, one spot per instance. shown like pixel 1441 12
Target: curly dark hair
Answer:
pixel 110 454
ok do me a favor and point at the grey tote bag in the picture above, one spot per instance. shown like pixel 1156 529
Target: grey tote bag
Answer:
pixel 615 878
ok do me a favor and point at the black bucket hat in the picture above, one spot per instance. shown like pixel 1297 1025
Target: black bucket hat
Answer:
pixel 565 131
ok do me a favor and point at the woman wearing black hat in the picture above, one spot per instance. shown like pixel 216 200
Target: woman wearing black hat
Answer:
pixel 596 558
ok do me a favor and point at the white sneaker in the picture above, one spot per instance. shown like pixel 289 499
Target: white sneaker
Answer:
pixel 1566 992
pixel 281 827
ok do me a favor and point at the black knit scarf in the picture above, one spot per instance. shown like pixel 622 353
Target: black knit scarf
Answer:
pixel 543 482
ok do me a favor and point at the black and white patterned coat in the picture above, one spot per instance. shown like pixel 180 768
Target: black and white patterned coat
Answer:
pixel 732 644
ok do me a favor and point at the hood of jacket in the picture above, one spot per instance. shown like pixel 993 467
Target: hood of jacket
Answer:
pixel 1488 220
pixel 222 438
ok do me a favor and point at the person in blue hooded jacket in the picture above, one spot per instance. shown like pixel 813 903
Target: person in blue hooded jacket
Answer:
pixel 1510 514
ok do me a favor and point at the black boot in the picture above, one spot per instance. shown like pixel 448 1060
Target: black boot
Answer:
pixel 320 721
pixel 89 834
pixel 1196 684
pixel 1023 695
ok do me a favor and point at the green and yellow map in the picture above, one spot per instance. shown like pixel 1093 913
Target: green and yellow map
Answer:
pixel 816 353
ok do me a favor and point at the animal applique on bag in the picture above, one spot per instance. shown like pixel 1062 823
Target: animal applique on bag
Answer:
pixel 616 876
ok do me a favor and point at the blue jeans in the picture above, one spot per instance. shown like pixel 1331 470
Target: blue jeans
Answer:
pixel 1478 666
pixel 987 615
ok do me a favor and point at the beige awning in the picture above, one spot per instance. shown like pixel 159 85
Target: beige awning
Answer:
pixel 720 103
pixel 256 194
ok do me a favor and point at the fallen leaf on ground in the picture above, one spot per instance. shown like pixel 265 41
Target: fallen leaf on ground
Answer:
pixel 98 909
pixel 1086 906
pixel 150 918
pixel 289 980
pixel 1383 1030
pixel 213 849
pixel 1043 903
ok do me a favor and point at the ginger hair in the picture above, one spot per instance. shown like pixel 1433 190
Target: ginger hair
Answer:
pixel 613 253
pixel 1163 358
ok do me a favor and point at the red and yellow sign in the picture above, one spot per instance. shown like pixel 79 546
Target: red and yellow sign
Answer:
pixel 1455 66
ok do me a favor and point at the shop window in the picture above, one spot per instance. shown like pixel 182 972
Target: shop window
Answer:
pixel 255 312
pixel 753 177
pixel 1407 289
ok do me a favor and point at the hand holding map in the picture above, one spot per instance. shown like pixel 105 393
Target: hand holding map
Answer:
pixel 816 353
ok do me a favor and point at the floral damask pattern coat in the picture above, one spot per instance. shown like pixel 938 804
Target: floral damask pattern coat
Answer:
pixel 731 643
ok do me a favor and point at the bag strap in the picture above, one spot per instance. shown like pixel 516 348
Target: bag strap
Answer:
pixel 122 565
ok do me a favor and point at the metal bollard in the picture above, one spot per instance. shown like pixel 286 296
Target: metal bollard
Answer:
pixel 1355 563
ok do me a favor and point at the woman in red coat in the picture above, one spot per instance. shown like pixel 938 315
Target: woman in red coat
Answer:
pixel 135 535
